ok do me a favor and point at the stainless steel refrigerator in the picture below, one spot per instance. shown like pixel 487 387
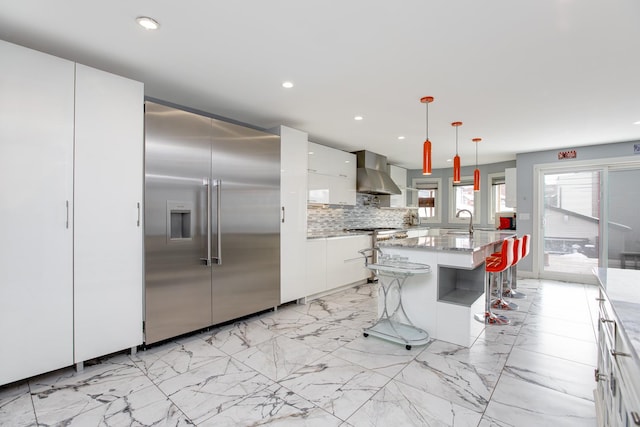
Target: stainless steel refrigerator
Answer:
pixel 212 221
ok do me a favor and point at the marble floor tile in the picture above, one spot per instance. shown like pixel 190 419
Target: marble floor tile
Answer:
pixel 325 335
pixel 521 403
pixel 147 407
pixel 275 406
pixel 575 379
pixel 335 385
pixel 563 327
pixel 453 378
pixel 490 356
pixel 64 394
pixel 352 318
pixel 319 308
pixel 177 358
pixel 398 404
pixel 356 295
pixel 279 357
pixel 210 389
pixel 284 319
pixel 239 335
pixel 16 408
pixel 379 355
pixel 571 349
pixel 490 422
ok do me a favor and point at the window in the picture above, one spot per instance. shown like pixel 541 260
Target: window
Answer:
pixel 497 195
pixel 428 194
pixel 462 196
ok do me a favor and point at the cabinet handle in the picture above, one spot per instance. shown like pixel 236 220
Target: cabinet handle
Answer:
pixel 66 223
pixel 283 214
pixel 600 299
pixel 635 417
pixel 138 222
pixel 603 320
pixel 615 353
pixel 599 376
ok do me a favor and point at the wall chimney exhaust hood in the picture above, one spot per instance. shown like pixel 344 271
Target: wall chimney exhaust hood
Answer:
pixel 372 175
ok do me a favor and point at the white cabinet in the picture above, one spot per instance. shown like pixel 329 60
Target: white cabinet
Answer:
pixel 344 264
pixel 316 265
pixel 332 176
pixel 71 258
pixel 510 179
pixel 108 236
pixel 36 183
pixel 399 176
pixel 293 228
pixel 334 262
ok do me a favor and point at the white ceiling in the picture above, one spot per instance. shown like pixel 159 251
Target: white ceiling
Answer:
pixel 523 75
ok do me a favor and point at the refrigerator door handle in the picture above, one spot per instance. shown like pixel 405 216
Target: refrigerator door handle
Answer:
pixel 283 214
pixel 218 259
pixel 207 260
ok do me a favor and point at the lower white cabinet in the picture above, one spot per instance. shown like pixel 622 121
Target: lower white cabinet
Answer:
pixel 335 262
pixel 344 264
pixel 316 266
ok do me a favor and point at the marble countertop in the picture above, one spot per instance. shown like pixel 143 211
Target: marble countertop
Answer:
pixel 442 239
pixel 623 290
pixel 343 233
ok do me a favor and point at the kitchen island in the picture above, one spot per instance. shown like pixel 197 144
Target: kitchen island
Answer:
pixel 444 302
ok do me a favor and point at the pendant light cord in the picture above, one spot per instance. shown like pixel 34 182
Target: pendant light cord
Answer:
pixel 427 121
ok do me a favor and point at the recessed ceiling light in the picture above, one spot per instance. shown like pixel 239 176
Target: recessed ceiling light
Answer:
pixel 287 85
pixel 358 118
pixel 637 123
pixel 401 137
pixel 449 160
pixel 147 23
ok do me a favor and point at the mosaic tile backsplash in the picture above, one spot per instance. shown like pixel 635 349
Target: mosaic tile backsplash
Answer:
pixel 362 215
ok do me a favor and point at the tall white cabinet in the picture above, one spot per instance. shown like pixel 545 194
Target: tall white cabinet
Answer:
pixel 36 212
pixel 293 228
pixel 71 248
pixel 108 236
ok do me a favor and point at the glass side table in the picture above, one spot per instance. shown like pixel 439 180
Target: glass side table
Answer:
pixel 394 324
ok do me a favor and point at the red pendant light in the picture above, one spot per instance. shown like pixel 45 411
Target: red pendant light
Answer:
pixel 426 148
pixel 476 172
pixel 456 159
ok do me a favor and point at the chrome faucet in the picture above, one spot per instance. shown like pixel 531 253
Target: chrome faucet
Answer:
pixel 470 218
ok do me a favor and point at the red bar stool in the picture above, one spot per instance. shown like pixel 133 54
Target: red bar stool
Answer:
pixel 524 251
pixel 496 264
pixel 500 303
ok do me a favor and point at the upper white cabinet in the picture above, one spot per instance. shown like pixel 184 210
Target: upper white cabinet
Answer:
pixel 510 187
pixel 293 227
pixel 399 176
pixel 108 235
pixel 71 258
pixel 332 176
pixel 36 183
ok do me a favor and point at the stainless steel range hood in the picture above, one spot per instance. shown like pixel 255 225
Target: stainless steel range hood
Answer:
pixel 373 177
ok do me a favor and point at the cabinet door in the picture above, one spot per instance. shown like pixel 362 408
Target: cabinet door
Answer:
pixel 399 176
pixel 316 266
pixel 293 229
pixel 343 189
pixel 108 213
pixel 344 264
pixel 36 183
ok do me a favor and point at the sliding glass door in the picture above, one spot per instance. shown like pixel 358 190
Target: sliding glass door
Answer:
pixel 570 223
pixel 589 217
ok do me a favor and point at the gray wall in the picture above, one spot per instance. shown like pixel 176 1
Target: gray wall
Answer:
pixel 525 164
pixel 445 174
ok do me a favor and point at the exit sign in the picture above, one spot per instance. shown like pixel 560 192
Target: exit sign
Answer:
pixel 571 154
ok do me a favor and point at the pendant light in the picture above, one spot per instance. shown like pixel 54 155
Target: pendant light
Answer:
pixel 456 159
pixel 476 172
pixel 426 148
